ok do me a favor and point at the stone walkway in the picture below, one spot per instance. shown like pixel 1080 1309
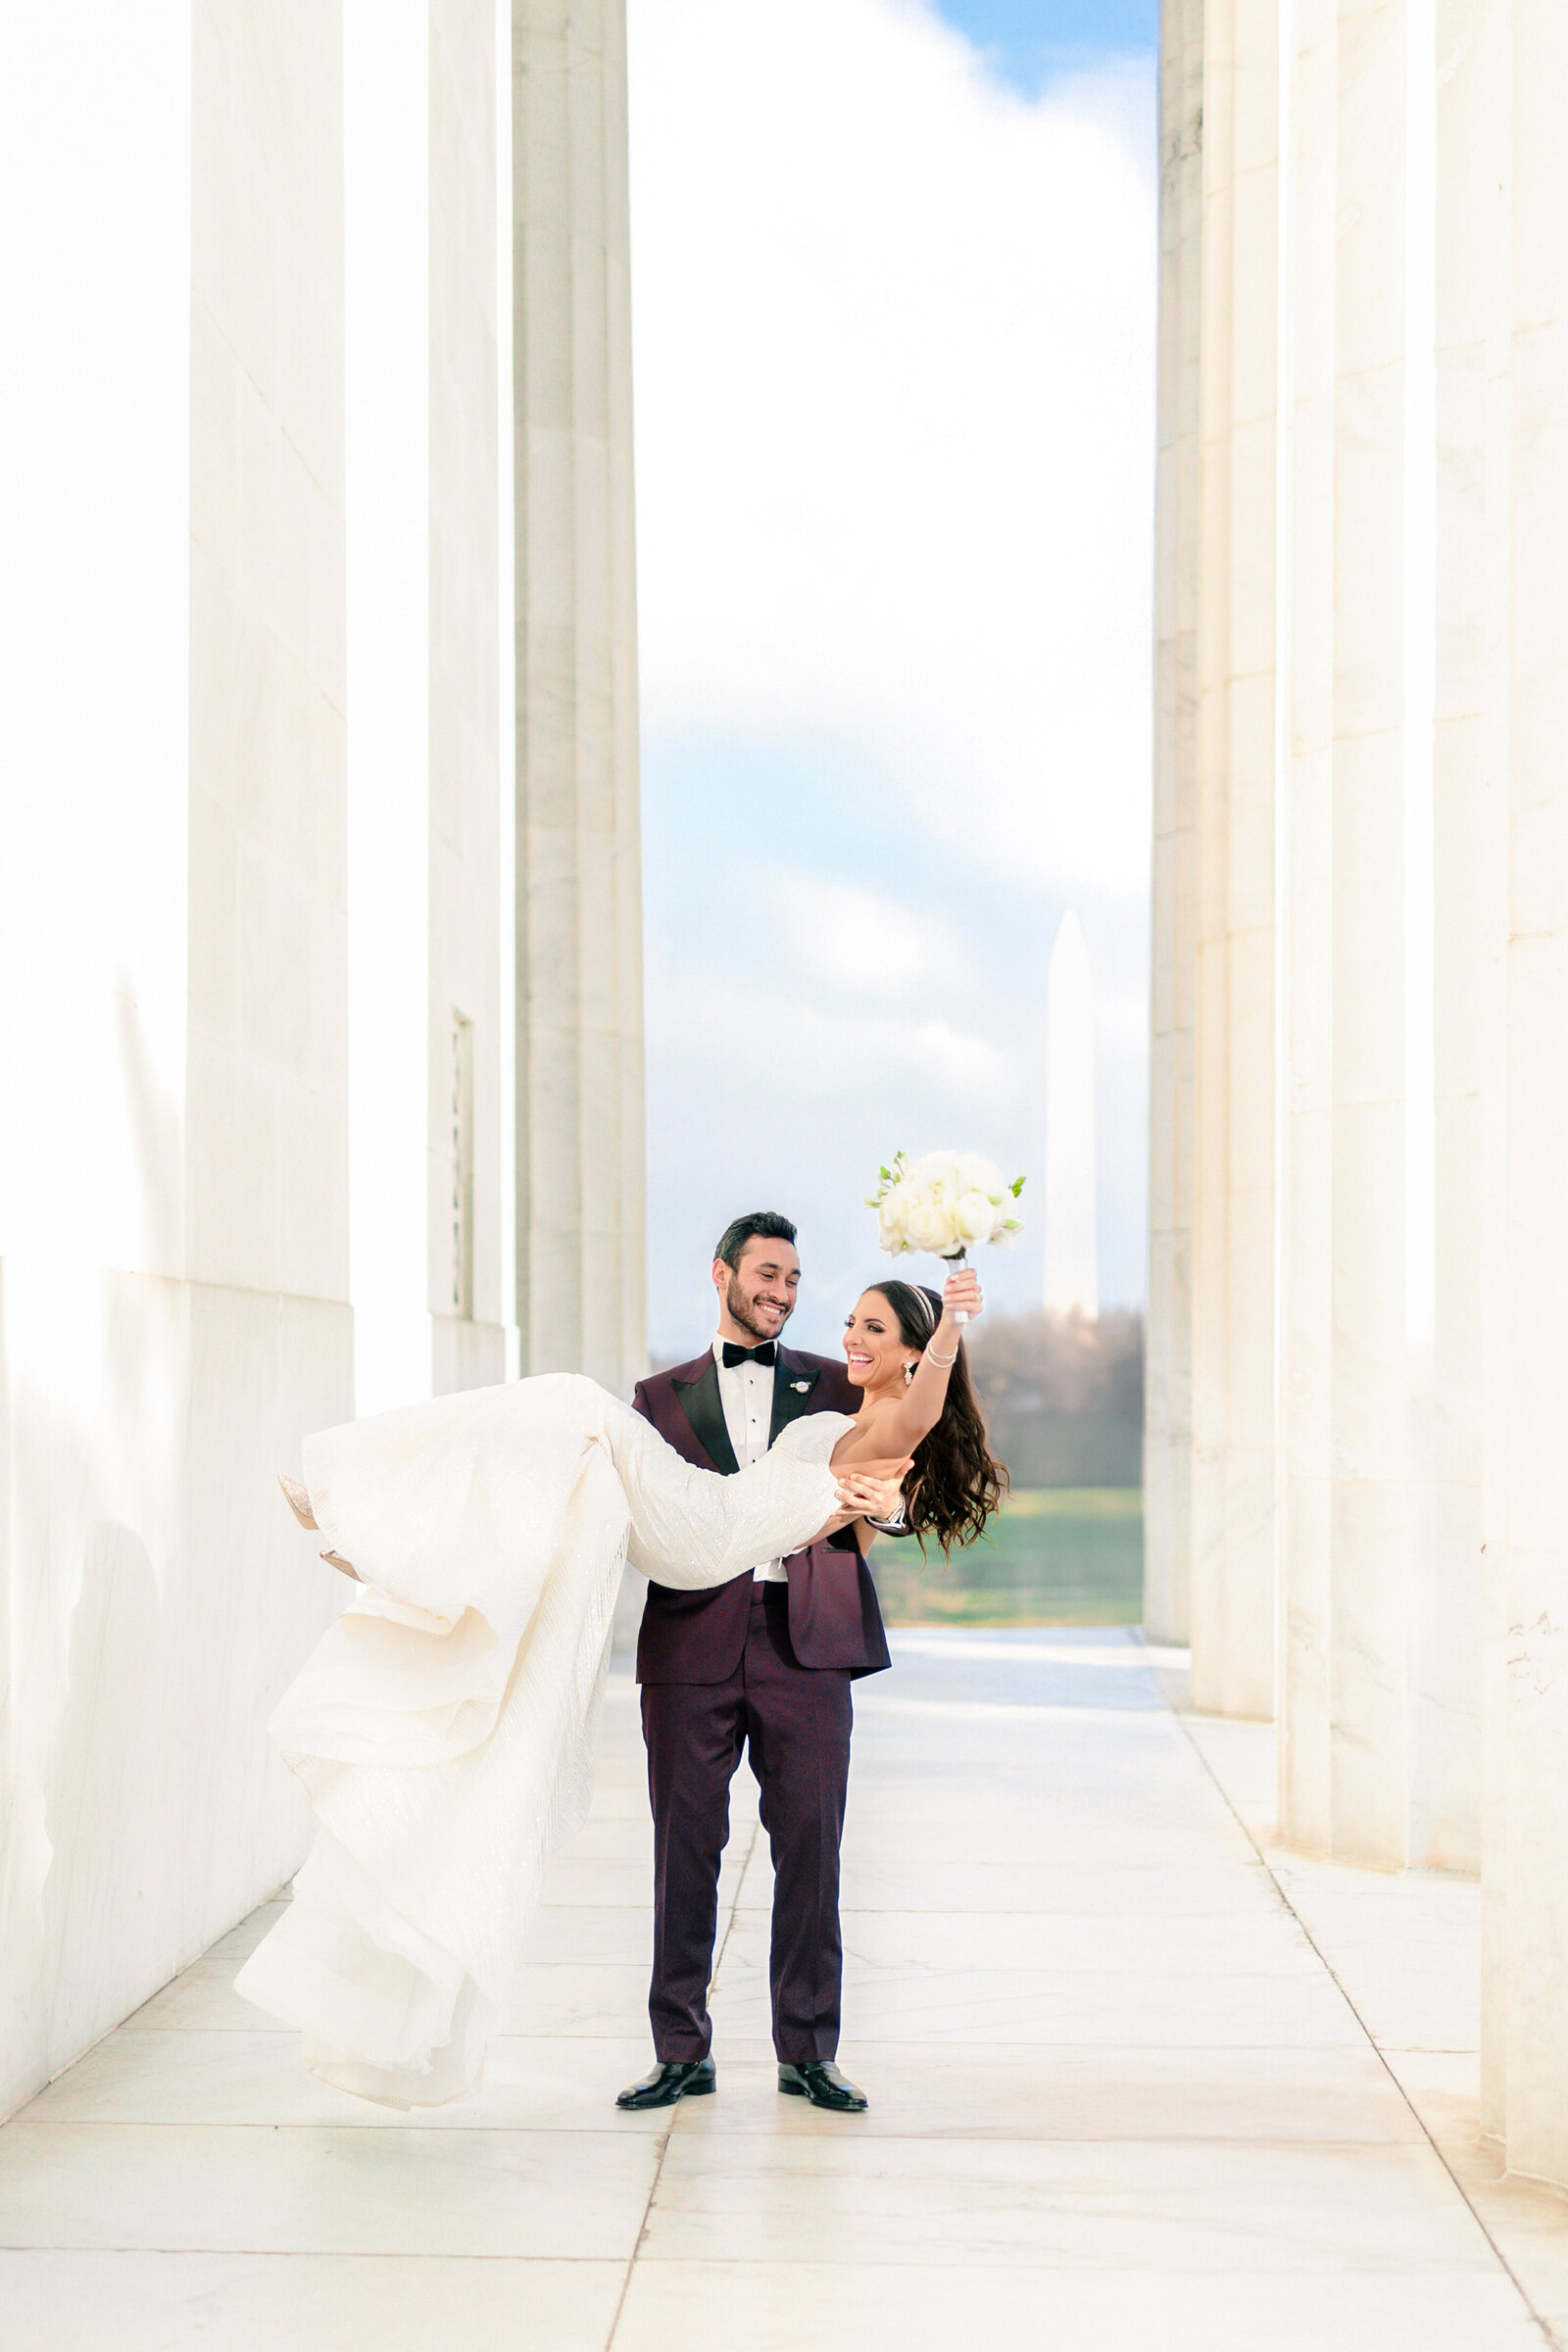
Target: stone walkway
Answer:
pixel 1137 2081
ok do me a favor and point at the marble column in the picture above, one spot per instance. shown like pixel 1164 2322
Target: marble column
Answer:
pixel 429 915
pixel 1528 1873
pixel 580 1250
pixel 1380 1527
pixel 1232 1604
pixel 1303 841
pixel 1168 1443
pixel 1380 1317
pixel 1475 548
pixel 469 1202
pixel 1469 934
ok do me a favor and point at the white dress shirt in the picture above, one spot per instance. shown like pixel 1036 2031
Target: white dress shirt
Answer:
pixel 745 1393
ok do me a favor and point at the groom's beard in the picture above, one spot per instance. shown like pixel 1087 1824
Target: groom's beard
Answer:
pixel 740 1311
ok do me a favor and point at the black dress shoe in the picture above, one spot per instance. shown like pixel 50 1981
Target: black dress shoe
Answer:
pixel 821 2081
pixel 677 2078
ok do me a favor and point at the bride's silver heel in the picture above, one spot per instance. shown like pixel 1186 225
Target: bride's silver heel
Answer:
pixel 335 1559
pixel 298 1499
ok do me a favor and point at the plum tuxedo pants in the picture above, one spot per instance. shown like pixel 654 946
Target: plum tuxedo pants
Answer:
pixel 793 1724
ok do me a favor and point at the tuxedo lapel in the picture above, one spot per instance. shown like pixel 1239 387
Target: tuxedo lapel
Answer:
pixel 699 1400
pixel 793 1385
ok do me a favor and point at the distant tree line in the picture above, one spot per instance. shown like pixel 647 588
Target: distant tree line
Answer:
pixel 1063 1397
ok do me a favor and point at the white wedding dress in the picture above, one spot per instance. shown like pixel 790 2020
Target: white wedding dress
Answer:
pixel 442 1726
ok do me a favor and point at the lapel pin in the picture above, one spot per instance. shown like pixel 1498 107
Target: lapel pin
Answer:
pixel 801 1385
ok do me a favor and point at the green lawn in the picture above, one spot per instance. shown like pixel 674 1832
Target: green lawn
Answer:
pixel 1057 1555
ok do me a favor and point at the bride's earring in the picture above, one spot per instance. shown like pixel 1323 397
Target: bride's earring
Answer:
pixel 909 1370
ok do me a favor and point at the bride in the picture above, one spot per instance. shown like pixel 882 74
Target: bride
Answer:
pixel 443 1727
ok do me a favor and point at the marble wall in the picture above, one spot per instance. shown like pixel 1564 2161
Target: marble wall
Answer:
pixel 175 1207
pixel 1374 1133
pixel 262 990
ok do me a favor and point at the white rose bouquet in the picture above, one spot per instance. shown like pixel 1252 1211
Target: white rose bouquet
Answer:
pixel 947 1203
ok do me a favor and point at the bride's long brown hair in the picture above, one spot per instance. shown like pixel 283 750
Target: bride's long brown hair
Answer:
pixel 957 1484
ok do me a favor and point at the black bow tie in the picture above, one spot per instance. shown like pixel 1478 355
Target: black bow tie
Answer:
pixel 733 1355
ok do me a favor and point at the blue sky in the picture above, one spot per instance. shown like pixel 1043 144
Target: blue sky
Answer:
pixel 895 475
pixel 1025 41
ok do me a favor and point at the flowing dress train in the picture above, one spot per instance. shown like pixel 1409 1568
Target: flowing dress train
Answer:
pixel 442 1726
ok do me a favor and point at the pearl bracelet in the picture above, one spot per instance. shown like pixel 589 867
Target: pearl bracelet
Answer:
pixel 944 1364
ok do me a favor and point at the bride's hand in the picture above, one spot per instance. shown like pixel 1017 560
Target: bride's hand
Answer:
pixel 873 1497
pixel 868 1490
pixel 962 1294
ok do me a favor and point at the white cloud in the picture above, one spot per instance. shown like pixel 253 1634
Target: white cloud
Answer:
pixel 723 1025
pixel 893 350
pixel 863 943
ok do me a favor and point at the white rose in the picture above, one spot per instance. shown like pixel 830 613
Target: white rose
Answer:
pixel 977 1174
pixel 973 1216
pixel 936 1177
pixel 930 1227
pixel 893 1215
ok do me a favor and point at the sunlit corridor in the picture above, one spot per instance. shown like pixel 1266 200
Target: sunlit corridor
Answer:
pixel 1132 2085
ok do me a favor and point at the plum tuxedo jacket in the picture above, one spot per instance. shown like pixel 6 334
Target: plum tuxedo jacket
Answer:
pixel 834 1617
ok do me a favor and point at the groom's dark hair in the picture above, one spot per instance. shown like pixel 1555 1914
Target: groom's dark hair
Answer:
pixel 762 1225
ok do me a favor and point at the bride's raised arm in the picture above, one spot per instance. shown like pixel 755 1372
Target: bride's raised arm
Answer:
pixel 897 1424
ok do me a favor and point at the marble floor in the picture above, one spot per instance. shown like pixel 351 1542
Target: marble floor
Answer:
pixel 1138 2080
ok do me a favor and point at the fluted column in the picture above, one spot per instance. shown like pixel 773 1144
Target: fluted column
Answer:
pixel 1232 1609
pixel 1377 1168
pixel 1304 836
pixel 1378 1739
pixel 1470 538
pixel 428 929
pixel 1475 485
pixel 1528 1875
pixel 1167 1444
pixel 580 1070
pixel 469 1208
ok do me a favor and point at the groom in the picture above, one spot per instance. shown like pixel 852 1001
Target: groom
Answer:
pixel 762 1664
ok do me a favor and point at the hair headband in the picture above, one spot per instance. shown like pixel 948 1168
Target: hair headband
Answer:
pixel 930 1316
